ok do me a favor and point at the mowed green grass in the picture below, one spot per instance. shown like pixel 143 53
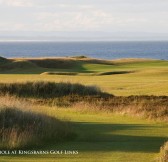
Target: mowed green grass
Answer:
pixel 103 137
pixel 149 77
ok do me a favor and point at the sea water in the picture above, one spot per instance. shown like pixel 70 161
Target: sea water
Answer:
pixel 102 50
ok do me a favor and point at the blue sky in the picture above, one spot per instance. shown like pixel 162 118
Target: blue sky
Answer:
pixel 149 16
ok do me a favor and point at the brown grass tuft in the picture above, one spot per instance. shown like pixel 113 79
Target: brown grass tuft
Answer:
pixel 164 153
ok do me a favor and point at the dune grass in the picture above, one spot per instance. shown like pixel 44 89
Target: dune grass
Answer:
pixel 48 89
pixel 148 107
pixel 164 153
pixel 20 128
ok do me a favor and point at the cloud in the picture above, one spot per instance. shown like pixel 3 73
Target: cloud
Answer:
pixel 77 15
pixel 17 3
pixel 88 20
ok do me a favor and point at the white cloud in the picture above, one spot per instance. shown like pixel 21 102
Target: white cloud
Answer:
pixel 18 3
pixel 73 15
pixel 91 19
pixel 94 19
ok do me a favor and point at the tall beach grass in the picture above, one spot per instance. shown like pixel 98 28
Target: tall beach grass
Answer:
pixel 41 89
pixel 164 153
pixel 21 128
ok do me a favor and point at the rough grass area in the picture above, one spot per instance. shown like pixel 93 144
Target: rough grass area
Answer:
pixel 21 129
pixel 48 89
pixel 164 153
pixel 150 107
pixel 88 97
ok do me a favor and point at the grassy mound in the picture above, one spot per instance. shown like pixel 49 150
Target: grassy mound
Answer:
pixel 59 63
pixel 164 153
pixel 18 65
pixel 22 129
pixel 48 89
pixel 3 60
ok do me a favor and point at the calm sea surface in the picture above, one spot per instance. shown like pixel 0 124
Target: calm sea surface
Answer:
pixel 105 50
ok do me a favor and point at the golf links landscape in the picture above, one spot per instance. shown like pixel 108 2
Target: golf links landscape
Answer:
pixel 93 110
